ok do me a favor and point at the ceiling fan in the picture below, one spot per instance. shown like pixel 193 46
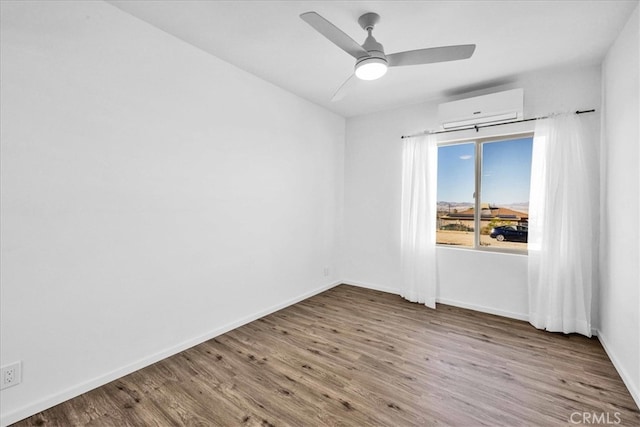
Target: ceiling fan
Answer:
pixel 371 61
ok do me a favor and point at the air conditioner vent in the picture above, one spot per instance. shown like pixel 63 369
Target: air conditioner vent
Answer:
pixel 497 107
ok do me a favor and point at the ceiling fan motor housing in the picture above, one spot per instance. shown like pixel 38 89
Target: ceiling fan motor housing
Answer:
pixel 371 45
pixel 376 56
pixel 372 66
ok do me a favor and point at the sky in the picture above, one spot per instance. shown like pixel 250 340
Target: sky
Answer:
pixel 506 171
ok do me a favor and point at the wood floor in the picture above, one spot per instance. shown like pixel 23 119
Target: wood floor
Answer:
pixel 357 357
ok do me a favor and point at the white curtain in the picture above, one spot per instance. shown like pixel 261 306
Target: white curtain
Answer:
pixel 418 225
pixel 563 224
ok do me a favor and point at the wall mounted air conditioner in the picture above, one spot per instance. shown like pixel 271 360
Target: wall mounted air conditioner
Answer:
pixel 494 108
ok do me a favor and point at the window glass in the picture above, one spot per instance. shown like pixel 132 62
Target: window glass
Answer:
pixel 456 185
pixel 500 177
pixel 506 173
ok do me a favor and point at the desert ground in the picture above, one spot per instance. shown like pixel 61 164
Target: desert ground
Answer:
pixel 465 238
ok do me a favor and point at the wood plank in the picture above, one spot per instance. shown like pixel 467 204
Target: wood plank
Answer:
pixel 355 357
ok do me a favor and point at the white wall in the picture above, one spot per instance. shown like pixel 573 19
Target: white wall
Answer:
pixel 620 248
pixel 490 282
pixel 152 196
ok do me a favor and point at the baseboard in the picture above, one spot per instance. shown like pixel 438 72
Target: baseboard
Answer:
pixel 489 310
pixel 374 287
pixel 69 393
pixel 483 309
pixel 626 378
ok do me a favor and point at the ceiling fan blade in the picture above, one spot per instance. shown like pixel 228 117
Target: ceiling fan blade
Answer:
pixel 344 88
pixel 431 55
pixel 334 34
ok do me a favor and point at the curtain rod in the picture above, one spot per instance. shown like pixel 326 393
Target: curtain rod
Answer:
pixel 477 128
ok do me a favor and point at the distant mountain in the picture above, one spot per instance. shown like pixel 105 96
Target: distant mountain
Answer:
pixel 454 206
pixel 460 206
pixel 455 203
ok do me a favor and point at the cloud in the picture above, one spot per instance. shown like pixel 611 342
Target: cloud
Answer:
pixel 466 157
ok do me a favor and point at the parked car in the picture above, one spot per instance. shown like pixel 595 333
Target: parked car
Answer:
pixel 511 233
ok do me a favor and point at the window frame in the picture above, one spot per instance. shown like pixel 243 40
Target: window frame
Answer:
pixel 478 142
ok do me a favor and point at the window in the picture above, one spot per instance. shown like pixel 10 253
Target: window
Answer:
pixel 483 193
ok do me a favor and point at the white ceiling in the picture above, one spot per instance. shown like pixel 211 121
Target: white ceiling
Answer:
pixel 269 40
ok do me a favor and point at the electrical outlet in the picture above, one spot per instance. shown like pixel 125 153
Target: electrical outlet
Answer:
pixel 10 375
pixel 326 271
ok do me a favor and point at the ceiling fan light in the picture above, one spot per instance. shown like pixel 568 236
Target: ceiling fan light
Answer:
pixel 371 68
